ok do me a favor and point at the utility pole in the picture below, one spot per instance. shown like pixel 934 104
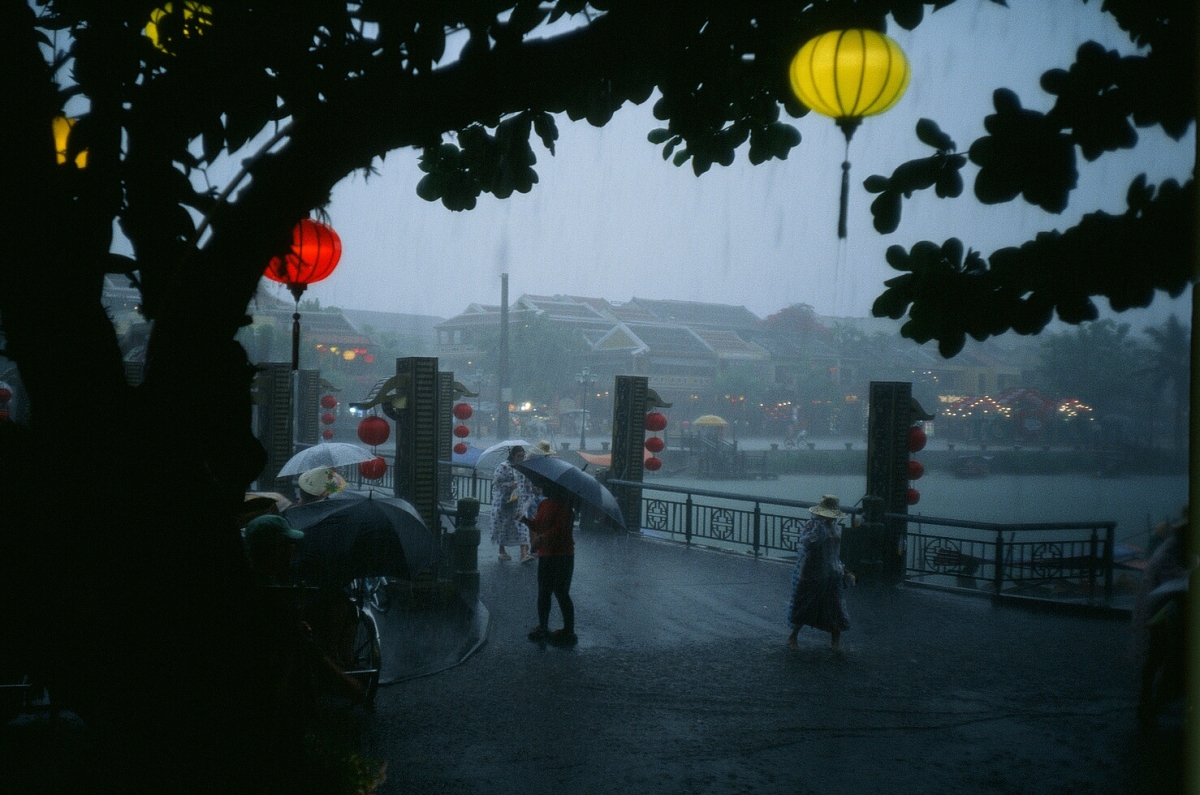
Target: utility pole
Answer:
pixel 505 392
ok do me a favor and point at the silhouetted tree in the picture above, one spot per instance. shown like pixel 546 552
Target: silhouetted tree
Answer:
pixel 152 630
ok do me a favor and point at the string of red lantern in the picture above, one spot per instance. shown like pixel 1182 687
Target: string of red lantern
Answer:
pixel 5 396
pixel 329 403
pixel 374 431
pixel 656 422
pixel 462 412
pixel 916 443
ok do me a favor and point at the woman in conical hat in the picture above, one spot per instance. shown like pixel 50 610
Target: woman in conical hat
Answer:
pixel 818 578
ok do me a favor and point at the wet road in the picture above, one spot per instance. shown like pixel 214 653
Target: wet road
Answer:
pixel 681 683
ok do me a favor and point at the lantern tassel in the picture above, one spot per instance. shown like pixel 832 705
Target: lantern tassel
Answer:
pixel 296 339
pixel 845 198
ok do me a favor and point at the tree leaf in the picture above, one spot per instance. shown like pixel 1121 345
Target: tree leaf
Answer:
pixel 930 134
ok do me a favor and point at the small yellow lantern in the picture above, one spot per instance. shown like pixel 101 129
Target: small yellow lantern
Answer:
pixel 62 130
pixel 849 74
pixel 193 18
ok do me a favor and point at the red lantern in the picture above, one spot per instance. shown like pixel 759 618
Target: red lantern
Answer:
pixel 656 421
pixel 655 444
pixel 373 469
pixel 328 418
pixel 462 411
pixel 328 402
pixel 916 439
pixel 461 448
pixel 316 249
pixel 462 431
pixel 5 394
pixel 374 430
pixel 327 434
pixel 652 464
pixel 912 496
pixel 915 470
pixel 3 415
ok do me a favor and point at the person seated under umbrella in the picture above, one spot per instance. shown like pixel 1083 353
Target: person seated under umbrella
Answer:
pixel 271 545
pixel 317 484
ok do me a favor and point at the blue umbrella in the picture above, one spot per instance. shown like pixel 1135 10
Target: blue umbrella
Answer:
pixel 550 469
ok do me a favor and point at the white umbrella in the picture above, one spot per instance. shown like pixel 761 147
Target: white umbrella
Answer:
pixel 490 458
pixel 325 454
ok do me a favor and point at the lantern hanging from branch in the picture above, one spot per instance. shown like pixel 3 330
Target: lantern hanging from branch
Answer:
pixel 62 132
pixel 316 249
pixel 847 75
pixel 167 25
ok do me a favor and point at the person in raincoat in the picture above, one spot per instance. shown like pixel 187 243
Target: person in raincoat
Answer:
pixel 510 494
pixel 818 578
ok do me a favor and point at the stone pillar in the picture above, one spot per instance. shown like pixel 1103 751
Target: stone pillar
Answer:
pixel 416 473
pixel 308 397
pixel 888 421
pixel 628 440
pixel 466 550
pixel 445 436
pixel 273 409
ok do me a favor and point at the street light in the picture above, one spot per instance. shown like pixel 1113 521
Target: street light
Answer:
pixel 586 380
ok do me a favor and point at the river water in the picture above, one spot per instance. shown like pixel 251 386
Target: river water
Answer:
pixel 1134 503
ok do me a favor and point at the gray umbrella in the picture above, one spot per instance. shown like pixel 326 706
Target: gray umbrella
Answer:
pixel 543 469
pixel 325 454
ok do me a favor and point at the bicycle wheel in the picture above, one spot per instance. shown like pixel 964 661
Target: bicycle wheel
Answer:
pixel 366 656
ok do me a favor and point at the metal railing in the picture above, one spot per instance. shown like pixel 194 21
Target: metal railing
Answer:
pixel 1058 561
pixel 1068 560
pixel 763 526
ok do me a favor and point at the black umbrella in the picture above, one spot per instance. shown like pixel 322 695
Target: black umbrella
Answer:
pixel 348 537
pixel 549 469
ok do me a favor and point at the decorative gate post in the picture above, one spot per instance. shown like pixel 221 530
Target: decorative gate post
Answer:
pixel 628 439
pixel 416 474
pixel 273 404
pixel 445 437
pixel 308 397
pixel 889 418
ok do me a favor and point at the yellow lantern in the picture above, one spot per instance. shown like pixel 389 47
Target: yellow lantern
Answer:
pixel 849 74
pixel 62 130
pixel 193 18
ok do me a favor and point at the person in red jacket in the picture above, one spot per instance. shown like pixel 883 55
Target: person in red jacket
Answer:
pixel 552 541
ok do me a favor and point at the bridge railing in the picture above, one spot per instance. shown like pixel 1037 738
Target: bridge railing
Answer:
pixel 1048 560
pixel 464 481
pixel 762 526
pixel 1059 561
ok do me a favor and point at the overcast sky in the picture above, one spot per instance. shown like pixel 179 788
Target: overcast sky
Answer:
pixel 611 219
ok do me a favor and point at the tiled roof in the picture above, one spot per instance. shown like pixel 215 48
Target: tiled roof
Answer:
pixel 664 340
pixel 696 314
pixel 728 345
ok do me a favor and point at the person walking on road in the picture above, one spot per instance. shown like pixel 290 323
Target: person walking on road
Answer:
pixel 510 491
pixel 554 545
pixel 818 578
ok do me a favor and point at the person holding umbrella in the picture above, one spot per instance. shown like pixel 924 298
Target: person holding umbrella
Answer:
pixel 509 491
pixel 554 545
